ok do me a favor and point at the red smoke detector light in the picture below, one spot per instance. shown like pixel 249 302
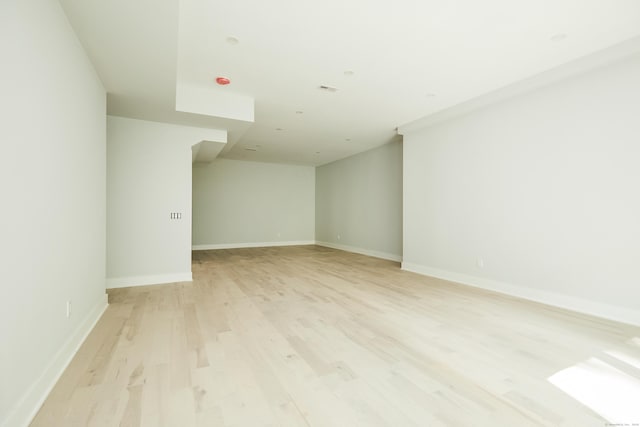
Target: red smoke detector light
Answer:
pixel 222 81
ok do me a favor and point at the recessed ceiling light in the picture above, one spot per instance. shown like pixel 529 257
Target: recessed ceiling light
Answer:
pixel 232 40
pixel 559 37
pixel 223 81
pixel 349 73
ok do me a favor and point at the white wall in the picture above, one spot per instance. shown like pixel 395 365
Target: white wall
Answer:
pixel 359 199
pixel 52 182
pixel 543 187
pixel 238 203
pixel 148 178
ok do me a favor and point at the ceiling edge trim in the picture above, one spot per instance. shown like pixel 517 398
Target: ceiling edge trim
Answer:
pixel 616 53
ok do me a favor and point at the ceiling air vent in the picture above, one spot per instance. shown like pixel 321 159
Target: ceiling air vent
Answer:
pixel 328 88
pixel 250 149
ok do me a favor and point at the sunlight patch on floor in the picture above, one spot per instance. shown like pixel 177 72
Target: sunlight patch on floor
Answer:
pixel 609 392
pixel 629 360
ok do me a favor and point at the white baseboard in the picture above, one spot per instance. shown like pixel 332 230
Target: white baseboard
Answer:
pixel 362 251
pixel 31 402
pixel 607 311
pixel 251 245
pixel 125 282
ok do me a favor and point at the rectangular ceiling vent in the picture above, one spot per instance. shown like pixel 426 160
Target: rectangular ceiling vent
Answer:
pixel 250 149
pixel 328 88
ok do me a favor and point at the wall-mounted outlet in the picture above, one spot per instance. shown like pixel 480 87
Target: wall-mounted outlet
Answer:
pixel 279 234
pixel 68 309
pixel 338 237
pixel 480 262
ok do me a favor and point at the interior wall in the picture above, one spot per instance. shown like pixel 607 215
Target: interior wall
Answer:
pixel 536 196
pixel 359 202
pixel 148 178
pixel 239 203
pixel 52 181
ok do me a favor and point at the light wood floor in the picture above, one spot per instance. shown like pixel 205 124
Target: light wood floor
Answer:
pixel 310 336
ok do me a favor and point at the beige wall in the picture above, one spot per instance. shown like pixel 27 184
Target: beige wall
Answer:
pixel 239 203
pixel 148 178
pixel 536 196
pixel 52 181
pixel 359 202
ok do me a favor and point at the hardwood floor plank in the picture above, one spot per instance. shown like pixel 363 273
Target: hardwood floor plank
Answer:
pixel 311 336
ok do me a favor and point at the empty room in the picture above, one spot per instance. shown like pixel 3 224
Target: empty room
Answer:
pixel 339 213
